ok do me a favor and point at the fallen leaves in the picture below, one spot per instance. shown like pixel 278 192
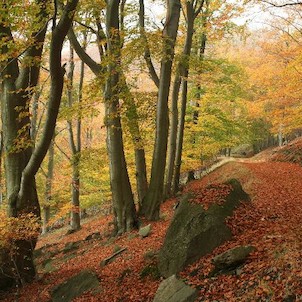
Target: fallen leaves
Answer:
pixel 271 223
pixel 215 193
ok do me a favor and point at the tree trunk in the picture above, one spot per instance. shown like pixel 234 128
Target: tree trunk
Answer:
pixel 123 203
pixel 151 203
pixel 22 161
pixel 173 132
pixel 75 145
pixel 131 111
pixel 1 172
pixel 48 188
pixel 132 121
pixel 147 54
pixel 184 93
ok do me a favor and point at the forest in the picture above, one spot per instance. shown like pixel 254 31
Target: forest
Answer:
pixel 126 126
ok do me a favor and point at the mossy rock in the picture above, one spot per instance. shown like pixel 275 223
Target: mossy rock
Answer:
pixel 195 232
pixel 75 286
pixel 151 270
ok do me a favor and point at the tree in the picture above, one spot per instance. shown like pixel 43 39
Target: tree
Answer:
pixel 48 188
pixel 123 204
pixel 18 81
pixel 75 139
pixel 191 11
pixel 115 87
pixel 151 203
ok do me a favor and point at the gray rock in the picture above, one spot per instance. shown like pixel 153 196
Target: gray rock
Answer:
pixel 174 290
pixel 75 286
pixel 48 266
pixel 231 259
pixel 94 236
pixel 145 231
pixel 195 232
pixel 71 246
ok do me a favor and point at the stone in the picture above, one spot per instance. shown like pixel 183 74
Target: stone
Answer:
pixel 75 286
pixel 93 236
pixel 71 246
pixel 145 231
pixel 174 290
pixel 231 259
pixel 48 267
pixel 195 232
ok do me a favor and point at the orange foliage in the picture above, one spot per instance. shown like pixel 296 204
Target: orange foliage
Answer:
pixel 23 227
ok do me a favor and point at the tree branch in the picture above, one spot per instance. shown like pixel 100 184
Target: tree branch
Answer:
pixel 93 65
pixel 147 53
pixel 56 74
pixel 281 5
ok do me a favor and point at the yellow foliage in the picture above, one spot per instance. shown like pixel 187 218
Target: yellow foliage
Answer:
pixel 24 227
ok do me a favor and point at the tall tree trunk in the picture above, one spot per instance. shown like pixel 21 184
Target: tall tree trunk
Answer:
pixel 48 188
pixel 75 144
pixel 173 129
pixel 123 203
pixel 1 172
pixel 22 161
pixel 140 159
pixel 151 203
pixel 131 111
pixel 184 92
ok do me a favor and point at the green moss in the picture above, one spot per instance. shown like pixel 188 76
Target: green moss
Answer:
pixel 150 270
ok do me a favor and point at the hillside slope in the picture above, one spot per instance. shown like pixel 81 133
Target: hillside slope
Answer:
pixel 272 223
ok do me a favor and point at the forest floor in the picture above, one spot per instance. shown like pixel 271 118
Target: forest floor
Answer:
pixel 272 223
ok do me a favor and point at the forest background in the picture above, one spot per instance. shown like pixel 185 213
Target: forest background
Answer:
pixel 162 94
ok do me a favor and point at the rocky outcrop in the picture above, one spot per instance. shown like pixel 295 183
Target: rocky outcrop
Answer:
pixel 195 232
pixel 174 290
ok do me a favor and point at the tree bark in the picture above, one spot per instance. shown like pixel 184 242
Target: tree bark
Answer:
pixel 22 161
pixel 116 84
pixel 147 53
pixel 151 203
pixel 184 93
pixel 75 145
pixel 132 121
pixel 123 203
pixel 191 14
pixel 48 188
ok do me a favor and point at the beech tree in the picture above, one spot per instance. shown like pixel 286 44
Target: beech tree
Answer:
pixel 191 11
pixel 75 143
pixel 19 77
pixel 123 203
pixel 114 87
pixel 151 203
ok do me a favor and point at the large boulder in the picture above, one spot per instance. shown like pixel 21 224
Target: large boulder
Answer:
pixel 195 232
pixel 174 290
pixel 75 286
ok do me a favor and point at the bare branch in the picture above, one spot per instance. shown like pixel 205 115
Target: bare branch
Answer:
pixel 281 5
